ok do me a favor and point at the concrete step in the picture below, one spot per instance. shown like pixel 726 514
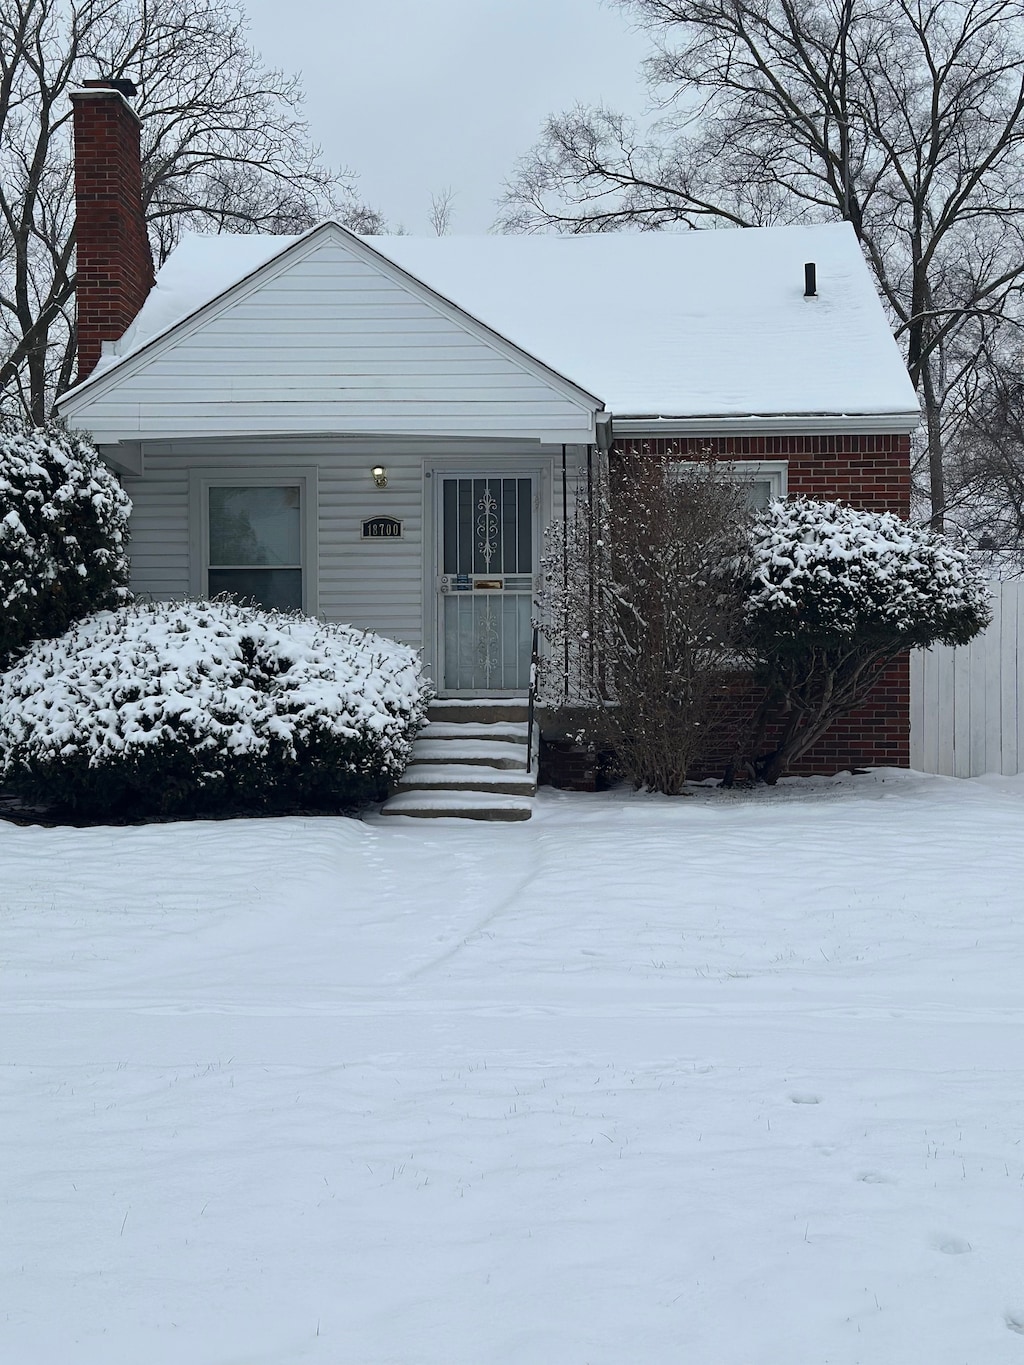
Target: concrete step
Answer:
pixel 490 753
pixel 478 710
pixel 459 806
pixel 467 777
pixel 469 763
pixel 506 731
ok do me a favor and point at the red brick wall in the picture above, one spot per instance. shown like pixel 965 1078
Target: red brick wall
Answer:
pixel 877 735
pixel 874 736
pixel 871 472
pixel 567 765
pixel 115 266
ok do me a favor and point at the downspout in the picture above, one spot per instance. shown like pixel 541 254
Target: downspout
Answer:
pixel 603 433
pixel 604 437
pixel 565 579
pixel 591 549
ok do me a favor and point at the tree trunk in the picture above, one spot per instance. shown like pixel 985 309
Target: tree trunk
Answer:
pixel 933 427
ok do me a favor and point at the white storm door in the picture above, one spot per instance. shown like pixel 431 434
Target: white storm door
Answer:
pixel 487 540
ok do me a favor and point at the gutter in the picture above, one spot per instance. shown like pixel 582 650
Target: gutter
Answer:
pixel 819 423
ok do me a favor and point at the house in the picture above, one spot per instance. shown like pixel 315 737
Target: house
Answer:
pixel 378 429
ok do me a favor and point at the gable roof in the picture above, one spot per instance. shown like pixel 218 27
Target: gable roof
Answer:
pixel 325 336
pixel 668 325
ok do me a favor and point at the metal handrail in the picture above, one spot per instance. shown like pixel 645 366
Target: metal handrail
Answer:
pixel 531 701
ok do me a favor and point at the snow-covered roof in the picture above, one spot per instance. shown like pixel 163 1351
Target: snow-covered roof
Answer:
pixel 201 267
pixel 656 324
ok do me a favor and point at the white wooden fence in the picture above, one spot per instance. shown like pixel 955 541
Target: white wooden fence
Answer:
pixel 967 704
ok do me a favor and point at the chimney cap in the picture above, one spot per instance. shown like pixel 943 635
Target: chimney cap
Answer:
pixel 123 87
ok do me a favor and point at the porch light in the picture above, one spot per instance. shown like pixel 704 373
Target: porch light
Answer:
pixel 380 476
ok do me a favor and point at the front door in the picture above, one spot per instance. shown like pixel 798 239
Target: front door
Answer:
pixel 487 551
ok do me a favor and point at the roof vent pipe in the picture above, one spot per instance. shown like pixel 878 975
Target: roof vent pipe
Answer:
pixel 810 280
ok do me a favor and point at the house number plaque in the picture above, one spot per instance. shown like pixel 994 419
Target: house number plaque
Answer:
pixel 382 528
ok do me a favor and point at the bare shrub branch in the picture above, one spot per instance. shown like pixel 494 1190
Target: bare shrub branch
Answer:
pixel 641 613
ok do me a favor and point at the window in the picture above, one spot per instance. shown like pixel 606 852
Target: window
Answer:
pixel 255 540
pixel 256 537
pixel 765 480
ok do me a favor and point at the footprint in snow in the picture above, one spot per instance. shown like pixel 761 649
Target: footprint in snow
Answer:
pixel 952 1246
pixel 804 1098
pixel 1015 1321
pixel 873 1178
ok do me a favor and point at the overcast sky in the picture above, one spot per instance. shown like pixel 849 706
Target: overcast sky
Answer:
pixel 414 95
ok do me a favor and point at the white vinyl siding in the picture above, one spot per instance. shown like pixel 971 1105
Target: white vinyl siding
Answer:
pixel 385 585
pixel 330 339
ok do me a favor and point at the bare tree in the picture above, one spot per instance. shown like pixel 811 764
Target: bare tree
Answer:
pixel 905 117
pixel 441 210
pixel 224 148
pixel 641 613
pixel 986 497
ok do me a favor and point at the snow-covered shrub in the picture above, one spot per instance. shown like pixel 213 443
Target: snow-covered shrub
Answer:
pixel 63 534
pixel 833 596
pixel 827 572
pixel 208 707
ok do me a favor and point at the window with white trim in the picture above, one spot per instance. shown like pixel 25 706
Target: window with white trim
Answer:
pixel 764 480
pixel 254 537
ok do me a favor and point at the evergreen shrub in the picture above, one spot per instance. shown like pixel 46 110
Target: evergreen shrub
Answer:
pixel 208 708
pixel 63 534
pixel 834 595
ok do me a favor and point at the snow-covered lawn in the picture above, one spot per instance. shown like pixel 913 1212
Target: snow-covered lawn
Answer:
pixel 719 1080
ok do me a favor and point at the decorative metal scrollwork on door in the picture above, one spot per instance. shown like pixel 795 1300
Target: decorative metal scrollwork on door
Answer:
pixel 487 526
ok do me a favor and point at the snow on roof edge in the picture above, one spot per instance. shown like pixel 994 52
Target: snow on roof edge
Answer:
pixel 797 415
pixel 113 361
pixel 184 289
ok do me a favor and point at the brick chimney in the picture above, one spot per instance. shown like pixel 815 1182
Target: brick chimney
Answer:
pixel 115 265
